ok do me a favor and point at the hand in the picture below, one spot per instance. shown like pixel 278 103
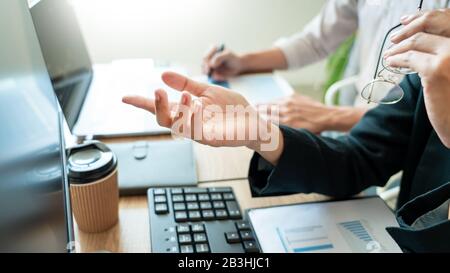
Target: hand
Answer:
pixel 224 64
pixel 299 111
pixel 422 45
pixel 433 22
pixel 425 48
pixel 207 118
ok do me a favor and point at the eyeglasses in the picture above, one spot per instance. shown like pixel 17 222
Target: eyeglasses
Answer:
pixel 384 88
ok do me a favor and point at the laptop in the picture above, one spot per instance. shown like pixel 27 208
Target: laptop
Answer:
pixel 35 210
pixel 90 95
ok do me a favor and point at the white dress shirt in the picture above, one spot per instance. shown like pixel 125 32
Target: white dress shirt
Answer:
pixel 337 21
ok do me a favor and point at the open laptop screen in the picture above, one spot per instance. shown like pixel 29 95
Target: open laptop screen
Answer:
pixel 65 53
pixel 35 213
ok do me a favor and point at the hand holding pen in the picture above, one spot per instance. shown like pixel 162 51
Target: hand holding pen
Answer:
pixel 221 64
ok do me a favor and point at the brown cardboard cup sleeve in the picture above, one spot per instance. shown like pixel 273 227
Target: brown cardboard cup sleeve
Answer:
pixel 96 205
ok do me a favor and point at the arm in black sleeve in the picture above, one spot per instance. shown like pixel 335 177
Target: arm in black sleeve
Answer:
pixel 372 152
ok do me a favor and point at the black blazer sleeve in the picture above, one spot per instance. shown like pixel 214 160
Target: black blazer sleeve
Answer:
pixel 369 155
pixel 435 237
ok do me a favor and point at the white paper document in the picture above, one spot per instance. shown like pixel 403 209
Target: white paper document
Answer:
pixel 261 88
pixel 342 226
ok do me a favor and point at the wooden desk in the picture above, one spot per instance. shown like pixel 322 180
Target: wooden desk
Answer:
pixel 132 233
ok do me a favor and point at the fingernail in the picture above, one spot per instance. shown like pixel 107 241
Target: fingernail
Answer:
pixel 404 18
pixel 184 99
pixel 157 98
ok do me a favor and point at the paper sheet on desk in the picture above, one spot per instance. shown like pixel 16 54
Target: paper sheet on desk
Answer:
pixel 259 88
pixel 344 226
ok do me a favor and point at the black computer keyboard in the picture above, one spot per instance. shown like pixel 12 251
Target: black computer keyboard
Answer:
pixel 198 220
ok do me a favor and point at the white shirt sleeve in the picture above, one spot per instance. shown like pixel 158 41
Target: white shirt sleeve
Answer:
pixel 323 35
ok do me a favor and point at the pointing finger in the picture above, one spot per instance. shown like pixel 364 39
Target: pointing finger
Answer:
pixel 140 102
pixel 183 83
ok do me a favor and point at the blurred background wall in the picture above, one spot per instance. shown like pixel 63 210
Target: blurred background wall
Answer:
pixel 181 30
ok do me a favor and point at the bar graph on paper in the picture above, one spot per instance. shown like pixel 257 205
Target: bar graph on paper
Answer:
pixel 314 238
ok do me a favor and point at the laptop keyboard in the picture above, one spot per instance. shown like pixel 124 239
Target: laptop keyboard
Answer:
pixel 198 220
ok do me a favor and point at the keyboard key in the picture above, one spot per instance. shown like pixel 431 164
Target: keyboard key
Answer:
pixel 161 209
pixel 160 199
pixel 202 248
pixel 218 204
pixel 176 191
pixel 192 206
pixel 233 210
pixel 195 190
pixel 172 239
pixel 200 238
pixel 203 197
pixel 220 190
pixel 179 206
pixel 198 228
pixel 216 197
pixel 173 249
pixel 177 198
pixel 187 249
pixel 195 215
pixel 183 229
pixel 221 214
pixel 159 192
pixel 181 216
pixel 184 239
pixel 190 197
pixel 251 247
pixel 228 196
pixel 205 205
pixel 247 235
pixel 235 214
pixel 232 237
pixel 243 225
pixel 208 215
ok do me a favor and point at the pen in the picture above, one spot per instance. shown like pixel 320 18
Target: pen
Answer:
pixel 221 48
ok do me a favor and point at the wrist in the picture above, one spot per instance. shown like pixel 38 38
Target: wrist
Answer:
pixel 263 61
pixel 342 119
pixel 269 142
pixel 247 63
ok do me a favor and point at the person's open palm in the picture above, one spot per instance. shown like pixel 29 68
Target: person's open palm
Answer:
pixel 205 114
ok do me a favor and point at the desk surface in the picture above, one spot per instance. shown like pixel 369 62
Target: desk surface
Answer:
pixel 217 167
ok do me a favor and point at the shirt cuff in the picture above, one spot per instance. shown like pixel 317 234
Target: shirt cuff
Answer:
pixel 268 180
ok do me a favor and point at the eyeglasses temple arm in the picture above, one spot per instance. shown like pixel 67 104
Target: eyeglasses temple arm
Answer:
pixel 382 48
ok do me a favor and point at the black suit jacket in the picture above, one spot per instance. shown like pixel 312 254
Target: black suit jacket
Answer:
pixel 388 139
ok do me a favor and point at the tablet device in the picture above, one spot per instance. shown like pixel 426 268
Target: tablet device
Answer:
pixel 357 225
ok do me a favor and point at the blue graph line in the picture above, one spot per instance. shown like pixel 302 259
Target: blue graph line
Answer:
pixel 358 230
pixel 312 248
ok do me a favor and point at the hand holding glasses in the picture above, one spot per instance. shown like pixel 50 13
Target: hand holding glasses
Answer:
pixel 384 88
